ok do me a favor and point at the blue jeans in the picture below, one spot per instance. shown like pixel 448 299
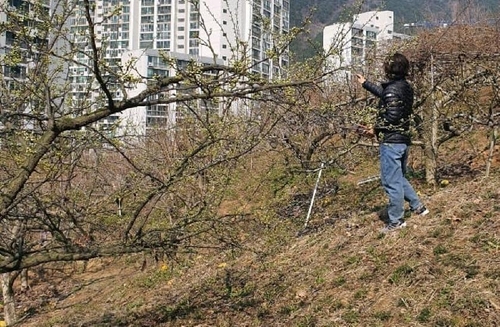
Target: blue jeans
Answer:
pixel 393 160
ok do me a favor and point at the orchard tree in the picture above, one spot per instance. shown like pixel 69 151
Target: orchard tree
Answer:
pixel 455 84
pixel 72 190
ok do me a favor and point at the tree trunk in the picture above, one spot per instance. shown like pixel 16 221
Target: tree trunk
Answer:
pixel 9 303
pixel 24 280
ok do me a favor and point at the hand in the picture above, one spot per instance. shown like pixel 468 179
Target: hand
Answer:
pixel 365 130
pixel 361 79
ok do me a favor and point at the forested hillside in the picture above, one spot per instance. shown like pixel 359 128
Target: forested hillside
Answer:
pixel 325 12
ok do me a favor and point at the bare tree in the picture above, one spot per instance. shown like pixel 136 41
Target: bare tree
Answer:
pixel 450 75
pixel 71 191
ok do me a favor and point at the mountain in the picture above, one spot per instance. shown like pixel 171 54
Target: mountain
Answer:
pixel 326 12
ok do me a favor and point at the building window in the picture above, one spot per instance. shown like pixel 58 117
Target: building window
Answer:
pixel 371 35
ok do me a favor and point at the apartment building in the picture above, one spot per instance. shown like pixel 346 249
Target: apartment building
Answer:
pixel 348 44
pixel 19 51
pixel 217 30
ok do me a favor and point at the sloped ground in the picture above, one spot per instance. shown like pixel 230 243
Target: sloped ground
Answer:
pixel 443 270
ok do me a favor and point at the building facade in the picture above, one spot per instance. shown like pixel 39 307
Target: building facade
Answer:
pixel 349 44
pixel 225 31
pixel 20 48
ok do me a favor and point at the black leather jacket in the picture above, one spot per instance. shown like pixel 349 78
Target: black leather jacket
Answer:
pixel 395 110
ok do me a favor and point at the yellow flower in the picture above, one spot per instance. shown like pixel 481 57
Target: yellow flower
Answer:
pixel 444 182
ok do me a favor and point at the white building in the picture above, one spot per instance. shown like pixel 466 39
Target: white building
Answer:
pixel 348 44
pixel 148 64
pixel 219 29
pixel 15 39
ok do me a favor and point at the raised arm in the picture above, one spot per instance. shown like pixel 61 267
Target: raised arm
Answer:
pixel 373 88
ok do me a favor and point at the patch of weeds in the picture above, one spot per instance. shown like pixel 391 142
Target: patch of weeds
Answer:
pixel 491 195
pixel 152 280
pixel 353 260
pixel 263 313
pixel 339 281
pixel 424 315
pixel 319 276
pixel 287 309
pixel 350 316
pixel 492 243
pixel 415 174
pixel 492 274
pixel 174 312
pixel 471 271
pixel 436 233
pixel 444 322
pixel 444 297
pixel 371 250
pixel 488 215
pixel 379 258
pixel 400 274
pixel 367 276
pixel 361 294
pixel 273 291
pixel 469 304
pixel 307 321
pixel 445 232
pixel 55 321
pixel 337 305
pixel 476 239
pixel 382 315
pixel 435 270
pixel 135 304
pixel 463 262
pixel 243 291
pixel 439 249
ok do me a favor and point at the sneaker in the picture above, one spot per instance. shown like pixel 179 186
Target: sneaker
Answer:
pixel 393 226
pixel 422 211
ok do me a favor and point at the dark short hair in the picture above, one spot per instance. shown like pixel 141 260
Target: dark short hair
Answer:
pixel 396 66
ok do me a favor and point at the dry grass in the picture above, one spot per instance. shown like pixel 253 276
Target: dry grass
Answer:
pixel 440 271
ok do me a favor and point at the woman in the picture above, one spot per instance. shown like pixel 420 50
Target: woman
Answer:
pixel 392 129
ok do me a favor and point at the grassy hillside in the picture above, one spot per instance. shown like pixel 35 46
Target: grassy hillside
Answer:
pixel 340 271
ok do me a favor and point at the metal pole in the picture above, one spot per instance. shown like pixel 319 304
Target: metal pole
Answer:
pixel 314 194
